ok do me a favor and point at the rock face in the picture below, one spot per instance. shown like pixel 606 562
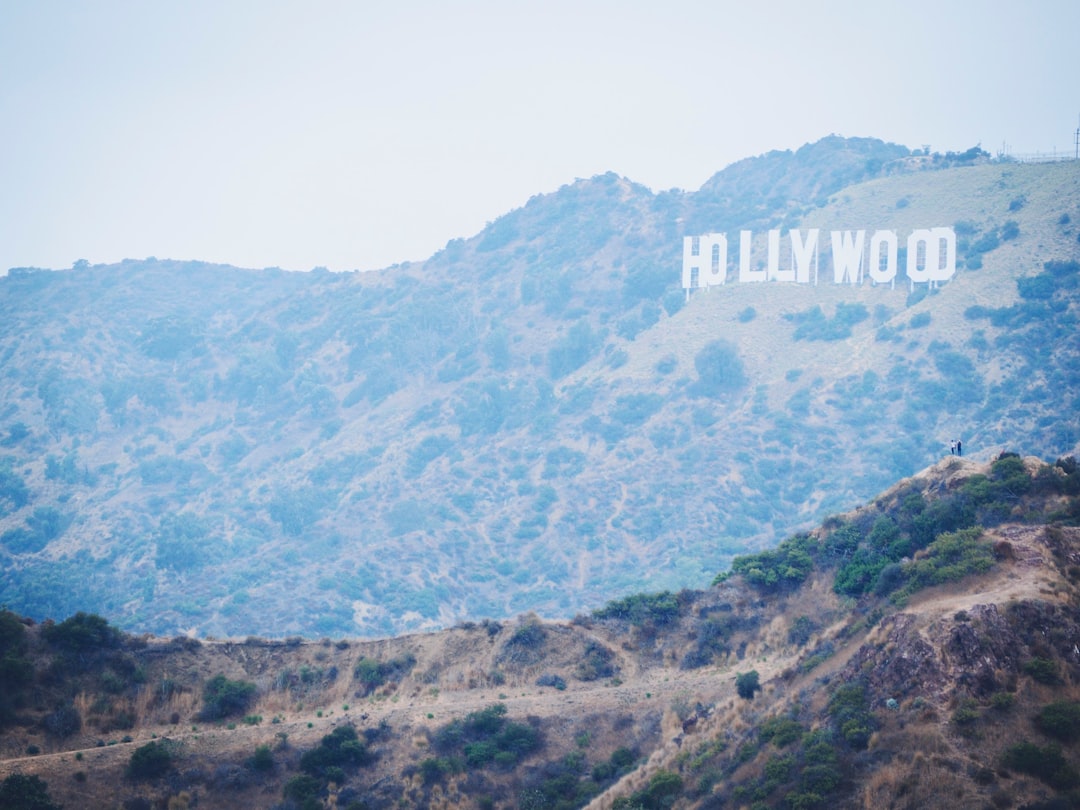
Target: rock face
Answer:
pixel 905 665
pixel 975 652
pixel 981 651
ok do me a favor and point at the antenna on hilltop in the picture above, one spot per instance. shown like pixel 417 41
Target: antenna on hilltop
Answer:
pixel 1076 144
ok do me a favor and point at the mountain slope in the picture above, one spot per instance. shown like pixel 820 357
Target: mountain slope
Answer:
pixel 912 692
pixel 533 419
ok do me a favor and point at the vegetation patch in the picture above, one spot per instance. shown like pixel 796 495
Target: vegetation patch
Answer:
pixel 1046 763
pixel 485 738
pixel 657 608
pixel 150 761
pixel 223 698
pixel 372 673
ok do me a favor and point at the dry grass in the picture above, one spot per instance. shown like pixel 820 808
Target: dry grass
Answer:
pixel 921 783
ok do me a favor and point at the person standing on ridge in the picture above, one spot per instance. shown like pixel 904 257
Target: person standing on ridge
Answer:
pixel 959 448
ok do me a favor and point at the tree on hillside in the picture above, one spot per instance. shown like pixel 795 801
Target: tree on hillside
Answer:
pixel 20 792
pixel 222 697
pixel 720 369
pixel 83 632
pixel 746 684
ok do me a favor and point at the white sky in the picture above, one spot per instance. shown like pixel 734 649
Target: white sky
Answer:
pixel 358 134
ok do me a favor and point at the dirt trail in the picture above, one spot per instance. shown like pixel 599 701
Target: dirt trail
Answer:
pixel 1030 575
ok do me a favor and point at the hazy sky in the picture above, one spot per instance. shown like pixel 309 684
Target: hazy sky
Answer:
pixel 359 134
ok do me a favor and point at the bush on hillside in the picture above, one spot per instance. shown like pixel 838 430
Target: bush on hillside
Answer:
pixel 1043 670
pixel 1044 763
pixel 83 632
pixel 372 673
pixel 952 556
pixel 720 369
pixel 21 792
pixel 149 761
pixel 658 608
pixel 747 684
pixel 849 710
pixel 486 737
pixel 1060 719
pixel 222 697
pixel 340 749
pixel 663 788
pixel 783 568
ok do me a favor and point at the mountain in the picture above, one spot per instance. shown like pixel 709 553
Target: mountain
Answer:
pixel 917 651
pixel 536 418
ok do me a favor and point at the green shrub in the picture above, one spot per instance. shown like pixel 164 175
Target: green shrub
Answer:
pixel 13 490
pixel 812 324
pixel 1043 670
pixel 549 679
pixel 860 573
pixel 851 716
pixel 1002 701
pixel 595 663
pixel 149 761
pixel 889 579
pixel 780 731
pixel 372 673
pixel 783 568
pixel 952 556
pixel 303 789
pixel 184 541
pixel 480 754
pixel 20 792
pixel 821 780
pixel 966 713
pixel 1044 763
pixel 720 369
pixel 12 633
pixel 64 721
pixel 1060 719
pixel 83 632
pixel 222 697
pixel 16 670
pixel 659 608
pixel 341 748
pixel 262 759
pixel 530 633
pixel 807 800
pixel 433 769
pixel 573 349
pixel 636 409
pixel 661 792
pixel 778 769
pixel 747 684
pixel 486 737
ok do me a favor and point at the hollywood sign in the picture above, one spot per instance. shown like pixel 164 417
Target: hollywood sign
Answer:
pixel 931 257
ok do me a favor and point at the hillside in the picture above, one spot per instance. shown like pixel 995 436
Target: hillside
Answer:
pixel 536 418
pixel 947 676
